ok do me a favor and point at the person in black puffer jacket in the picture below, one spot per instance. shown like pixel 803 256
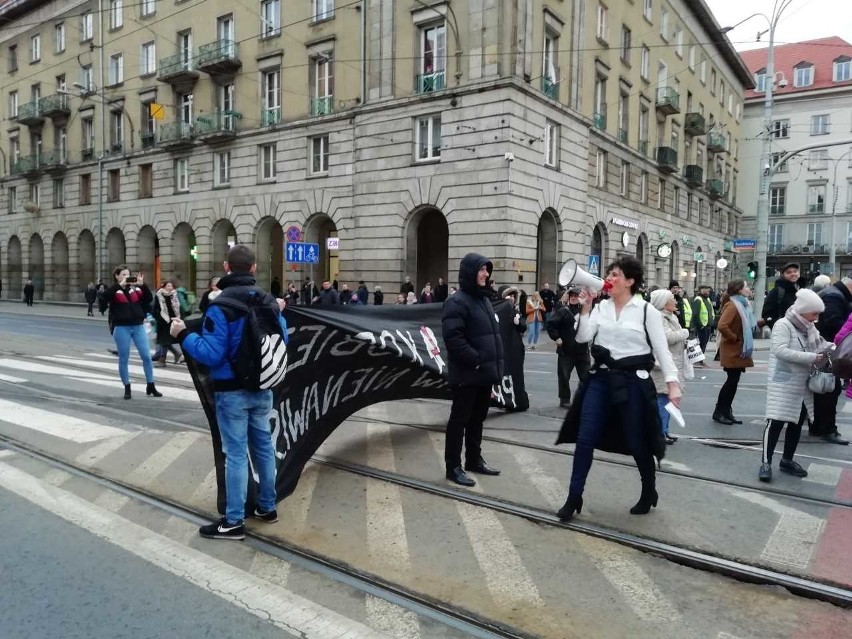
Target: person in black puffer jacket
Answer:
pixel 779 299
pixel 475 363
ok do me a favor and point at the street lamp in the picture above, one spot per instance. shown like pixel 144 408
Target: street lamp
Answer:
pixel 766 168
pixel 832 255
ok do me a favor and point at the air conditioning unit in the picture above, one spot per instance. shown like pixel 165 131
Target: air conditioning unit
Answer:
pixel 807 249
pixel 796 249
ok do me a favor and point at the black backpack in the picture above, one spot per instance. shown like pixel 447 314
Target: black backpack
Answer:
pixel 261 359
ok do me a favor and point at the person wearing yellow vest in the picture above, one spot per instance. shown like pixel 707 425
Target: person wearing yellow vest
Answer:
pixel 703 316
pixel 683 313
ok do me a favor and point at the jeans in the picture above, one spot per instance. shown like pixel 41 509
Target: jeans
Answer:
pixel 565 365
pixel 791 440
pixel 533 331
pixel 243 418
pixel 123 335
pixel 725 401
pixel 662 400
pixel 594 419
pixel 468 412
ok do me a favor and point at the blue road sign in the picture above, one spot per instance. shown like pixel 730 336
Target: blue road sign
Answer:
pixel 744 245
pixel 302 253
pixel 595 265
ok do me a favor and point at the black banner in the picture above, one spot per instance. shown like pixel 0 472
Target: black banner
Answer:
pixel 343 359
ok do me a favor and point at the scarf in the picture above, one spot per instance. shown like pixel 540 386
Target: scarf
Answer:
pixel 165 299
pixel 806 328
pixel 748 322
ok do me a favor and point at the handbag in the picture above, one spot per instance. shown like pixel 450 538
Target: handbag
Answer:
pixel 688 370
pixel 820 381
pixel 694 354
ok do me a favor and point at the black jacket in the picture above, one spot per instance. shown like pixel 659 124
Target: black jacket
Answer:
pixel 470 329
pixel 838 306
pixel 549 299
pixel 328 297
pixel 441 292
pixel 561 326
pixel 91 295
pixel 778 300
pixel 127 305
pixel 378 298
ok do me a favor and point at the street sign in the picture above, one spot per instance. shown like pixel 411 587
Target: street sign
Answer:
pixel 302 253
pixel 595 265
pixel 744 245
pixel 294 234
pixel 332 243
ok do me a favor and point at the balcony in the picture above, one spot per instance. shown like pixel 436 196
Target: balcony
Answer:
pixel 693 174
pixel 622 136
pixel 175 135
pixel 668 101
pixel 666 159
pixel 54 106
pixel 599 121
pixel 87 154
pixel 777 209
pixel 221 57
pixel 694 124
pixel 177 69
pixel 429 82
pixel 323 105
pixel 217 126
pixel 29 114
pixel 28 166
pixel 550 88
pixel 816 209
pixel 643 147
pixel 270 117
pixel 715 189
pixel 55 161
pixel 716 143
pixel 149 140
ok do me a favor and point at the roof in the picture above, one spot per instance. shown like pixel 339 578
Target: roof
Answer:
pixel 821 53
pixel 707 20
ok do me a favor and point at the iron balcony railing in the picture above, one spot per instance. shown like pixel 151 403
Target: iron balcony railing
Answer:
pixel 668 100
pixel 175 132
pixel 28 111
pixel 694 124
pixel 694 174
pixel 268 117
pixel 218 51
pixel 599 120
pixel 53 158
pixel 322 105
pixel 550 88
pixel 716 188
pixel 816 208
pixel 643 147
pixel 428 82
pixel 149 140
pixel 26 164
pixel 666 157
pixel 175 64
pixel 777 209
pixel 56 104
pixel 622 136
pixel 216 122
pixel 716 143
pixel 87 154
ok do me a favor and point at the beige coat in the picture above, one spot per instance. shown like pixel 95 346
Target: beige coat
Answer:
pixel 789 368
pixel 676 338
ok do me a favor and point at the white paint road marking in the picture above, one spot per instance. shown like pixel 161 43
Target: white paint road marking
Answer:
pixel 162 458
pixel 392 619
pixel 13 379
pixel 93 455
pixel 113 367
pixel 35 367
pixel 169 392
pixel 274 604
pixel 6 453
pixel 795 536
pixel 298 505
pixel 55 424
pixel 206 490
pixel 823 474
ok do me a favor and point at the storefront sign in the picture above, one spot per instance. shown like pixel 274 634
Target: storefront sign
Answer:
pixel 628 224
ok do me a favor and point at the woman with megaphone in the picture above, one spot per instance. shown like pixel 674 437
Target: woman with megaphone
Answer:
pixel 615 410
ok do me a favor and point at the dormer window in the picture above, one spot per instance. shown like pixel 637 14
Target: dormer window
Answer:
pixel 760 81
pixel 803 74
pixel 843 69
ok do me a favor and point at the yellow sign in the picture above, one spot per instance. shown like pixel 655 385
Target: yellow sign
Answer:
pixel 158 111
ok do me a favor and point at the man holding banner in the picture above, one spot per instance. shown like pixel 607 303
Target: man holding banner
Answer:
pixel 475 353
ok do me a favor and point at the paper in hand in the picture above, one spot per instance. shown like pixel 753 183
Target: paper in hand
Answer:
pixel 674 411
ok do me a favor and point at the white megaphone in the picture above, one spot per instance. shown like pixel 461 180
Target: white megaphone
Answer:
pixel 571 274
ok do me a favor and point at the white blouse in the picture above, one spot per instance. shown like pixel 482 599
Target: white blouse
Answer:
pixel 624 336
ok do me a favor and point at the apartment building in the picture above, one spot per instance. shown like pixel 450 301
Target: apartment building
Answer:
pixel 810 195
pixel 157 133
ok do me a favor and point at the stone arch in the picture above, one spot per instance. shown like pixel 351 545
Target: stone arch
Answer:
pixel 674 264
pixel 269 251
pixel 317 230
pixel 599 249
pixel 642 254
pixel 15 268
pixel 183 257
pixel 59 274
pixel 86 258
pixel 148 254
pixel 427 239
pixel 699 269
pixel 116 251
pixel 35 270
pixel 547 248
pixel 222 237
pixel 719 274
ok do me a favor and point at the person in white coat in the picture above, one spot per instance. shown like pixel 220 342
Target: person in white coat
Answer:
pixel 795 347
pixel 664 301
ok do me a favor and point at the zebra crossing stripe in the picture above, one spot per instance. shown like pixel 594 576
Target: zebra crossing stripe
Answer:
pixel 55 424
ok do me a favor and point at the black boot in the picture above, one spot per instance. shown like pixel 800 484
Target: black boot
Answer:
pixel 721 418
pixel 574 504
pixel 150 389
pixel 127 391
pixel 458 476
pixel 646 500
pixel 730 415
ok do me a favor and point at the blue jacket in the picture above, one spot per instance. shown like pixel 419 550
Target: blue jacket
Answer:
pixel 216 345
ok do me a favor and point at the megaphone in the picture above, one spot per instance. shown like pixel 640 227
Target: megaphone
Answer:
pixel 572 274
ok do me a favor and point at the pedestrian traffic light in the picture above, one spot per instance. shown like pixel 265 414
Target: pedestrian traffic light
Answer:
pixel 752 270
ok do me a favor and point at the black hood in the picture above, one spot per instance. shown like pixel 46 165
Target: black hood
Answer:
pixel 236 279
pixel 468 269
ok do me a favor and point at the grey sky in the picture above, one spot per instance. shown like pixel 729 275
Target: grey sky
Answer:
pixel 803 20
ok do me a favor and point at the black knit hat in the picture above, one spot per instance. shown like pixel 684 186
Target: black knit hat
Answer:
pixel 674 283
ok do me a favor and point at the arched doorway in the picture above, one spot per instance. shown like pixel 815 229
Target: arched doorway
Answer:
pixel 183 256
pixel 223 237
pixel 269 250
pixel 698 268
pixel 427 247
pixel 674 265
pixel 15 269
pixel 642 253
pixel 318 229
pixel 148 254
pixel 547 249
pixel 116 252
pixel 35 270
pixel 59 271
pixel 86 259
pixel 598 251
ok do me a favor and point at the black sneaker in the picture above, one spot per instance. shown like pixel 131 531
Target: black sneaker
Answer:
pixel 270 517
pixel 223 529
pixel 792 468
pixel 765 473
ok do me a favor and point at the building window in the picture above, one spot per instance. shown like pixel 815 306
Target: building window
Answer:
pixel 11 199
pixel 114 179
pixel 87 78
pixel 664 24
pixel 222 168
pixel 35 48
pixel 185 107
pixel 776 237
pixel 13 59
pixel 676 202
pixel 58 193
pixel 116 14
pixel 87 26
pixel 703 70
pixel 678 41
pixel 644 132
pixel 428 134
pixel 760 81
pixel 148 8
pixel 59 37
pixel 818 160
pixel 433 58
pixel 693 52
pixel 271 98
pixel 88 138
pixel 322 84
pixel 599 115
pixel 268 169
pixel 643 187
pixel 624 178
pixel 661 194
pixel 13 104
pixel 146 180
pixel 549 72
pixel 116 131
pixel 625 44
pixel 712 81
pixel 182 175
pixel 600 169
pixel 645 63
pixel 648 10
pixel 35 194
pixel 149 125
pixel 623 116
pixel 803 76
pixel 319 154
pixel 721 93
pixel 816 198
pixel 843 69
pixel 780 129
pixel 778 200
pixel 60 143
pixel 148 59
pixel 85 189
pixel 185 53
pixel 551 144
pixel 774 159
pixel 603 25
pixel 820 124
pixel 116 69
pixel 270 18
pixel 322 9
pixel 815 234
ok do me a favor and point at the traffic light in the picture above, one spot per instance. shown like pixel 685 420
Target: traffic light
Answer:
pixel 752 270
